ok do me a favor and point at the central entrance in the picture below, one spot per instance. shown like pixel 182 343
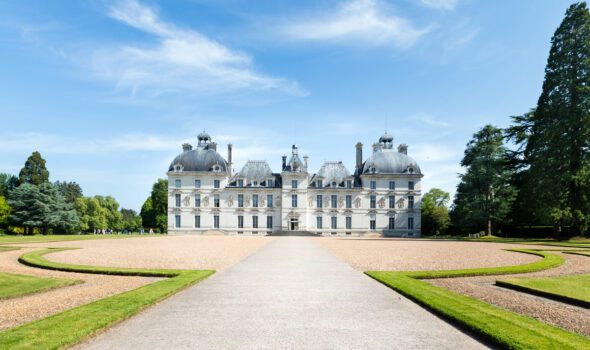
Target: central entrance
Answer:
pixel 293 224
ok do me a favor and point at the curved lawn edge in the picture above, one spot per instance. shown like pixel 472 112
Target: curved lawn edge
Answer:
pixel 544 294
pixel 29 285
pixel 578 252
pixel 75 325
pixel 501 327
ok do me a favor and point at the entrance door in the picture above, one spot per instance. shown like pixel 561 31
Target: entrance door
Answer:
pixel 294 224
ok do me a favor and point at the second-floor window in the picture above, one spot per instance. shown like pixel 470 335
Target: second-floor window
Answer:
pixel 216 201
pixel 240 200
pixel 410 185
pixel 269 201
pixel 391 202
pixel 255 201
pixel 392 185
pixel 410 202
pixel 348 201
pixel 334 200
pixel 294 201
pixel 293 183
pixel 215 183
pixel 177 183
pixel 373 201
pixel 197 183
pixel 318 201
pixel 197 200
pixel 373 185
pixel 177 198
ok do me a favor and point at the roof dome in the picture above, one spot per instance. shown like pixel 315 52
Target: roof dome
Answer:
pixel 203 136
pixel 333 172
pixel 388 161
pixel 200 159
pixel 256 170
pixel 386 138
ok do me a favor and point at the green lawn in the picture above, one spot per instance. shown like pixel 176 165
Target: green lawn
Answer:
pixel 579 252
pixel 73 326
pixel 12 285
pixel 6 249
pixel 58 238
pixel 504 328
pixel 573 289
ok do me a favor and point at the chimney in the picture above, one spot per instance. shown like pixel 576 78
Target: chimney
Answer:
pixel 212 146
pixel 284 162
pixel 305 159
pixel 402 148
pixel 229 157
pixel 186 147
pixel 359 155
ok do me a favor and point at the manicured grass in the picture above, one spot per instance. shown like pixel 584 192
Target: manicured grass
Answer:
pixel 72 326
pixel 504 328
pixel 579 252
pixel 59 238
pixel 574 289
pixel 6 249
pixel 12 285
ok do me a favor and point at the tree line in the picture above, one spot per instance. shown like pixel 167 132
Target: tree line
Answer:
pixel 534 176
pixel 30 204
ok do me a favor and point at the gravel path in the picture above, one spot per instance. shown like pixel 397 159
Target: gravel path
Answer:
pixel 291 294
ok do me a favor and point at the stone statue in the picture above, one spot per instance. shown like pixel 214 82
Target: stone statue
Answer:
pixel 401 203
pixel 206 201
pixel 247 201
pixel 326 202
pixel 262 201
pixel 230 201
pixel 382 202
pixel 357 202
pixel 187 201
pixel 310 201
pixel 340 202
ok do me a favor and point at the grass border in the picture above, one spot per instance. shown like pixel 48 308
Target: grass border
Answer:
pixel 56 283
pixel 75 325
pixel 542 293
pixel 501 327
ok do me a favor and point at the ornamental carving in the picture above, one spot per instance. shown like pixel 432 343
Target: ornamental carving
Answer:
pixel 340 202
pixel 247 201
pixel 206 201
pixel 401 203
pixel 310 201
pixel 326 202
pixel 186 201
pixel 357 202
pixel 230 201
pixel 381 202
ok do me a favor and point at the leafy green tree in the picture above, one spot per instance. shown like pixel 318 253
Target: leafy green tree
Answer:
pixel 555 138
pixel 148 217
pixel 70 190
pixel 435 214
pixel 34 172
pixel 7 183
pixel 92 215
pixel 131 221
pixel 484 195
pixel 113 216
pixel 160 204
pixel 4 211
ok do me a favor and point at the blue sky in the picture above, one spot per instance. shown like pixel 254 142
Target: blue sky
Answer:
pixel 108 91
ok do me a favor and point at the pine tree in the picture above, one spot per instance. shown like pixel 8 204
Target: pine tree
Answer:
pixel 70 190
pixel 34 172
pixel 557 148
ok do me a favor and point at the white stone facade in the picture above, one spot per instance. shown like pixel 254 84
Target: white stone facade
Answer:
pixel 382 195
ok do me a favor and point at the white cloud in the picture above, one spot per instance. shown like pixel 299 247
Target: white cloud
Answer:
pixel 365 21
pixel 433 122
pixel 182 60
pixel 446 5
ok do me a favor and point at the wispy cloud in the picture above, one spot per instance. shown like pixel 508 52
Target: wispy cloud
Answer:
pixel 445 5
pixel 182 60
pixel 432 121
pixel 357 21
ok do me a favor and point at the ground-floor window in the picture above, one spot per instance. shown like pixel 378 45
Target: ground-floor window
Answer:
pixel 410 223
pixel 392 222
pixel 318 222
pixel 373 224
pixel 254 221
pixel 197 221
pixel 269 222
pixel 334 222
pixel 348 222
pixel 177 221
pixel 240 221
pixel 216 221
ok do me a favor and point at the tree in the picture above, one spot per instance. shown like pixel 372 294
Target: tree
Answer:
pixel 435 214
pixel 484 195
pixel 131 221
pixel 92 215
pixel 148 217
pixel 4 211
pixel 160 204
pixel 557 134
pixel 70 190
pixel 113 216
pixel 7 183
pixel 34 172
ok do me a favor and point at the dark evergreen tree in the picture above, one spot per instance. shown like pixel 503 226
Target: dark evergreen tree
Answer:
pixel 34 172
pixel 70 190
pixel 148 218
pixel 131 220
pixel 160 204
pixel 7 183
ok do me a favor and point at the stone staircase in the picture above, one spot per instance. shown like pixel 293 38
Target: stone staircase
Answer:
pixel 295 233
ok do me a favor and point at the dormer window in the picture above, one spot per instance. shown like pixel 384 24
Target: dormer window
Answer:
pixel 240 183
pixel 373 169
pixel 411 170
pixel 348 183
pixel 319 184
pixel 177 168
pixel 255 183
pixel 216 168
pixel 269 183
pixel 333 183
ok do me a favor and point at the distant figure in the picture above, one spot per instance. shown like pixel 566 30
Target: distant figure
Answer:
pixel 151 231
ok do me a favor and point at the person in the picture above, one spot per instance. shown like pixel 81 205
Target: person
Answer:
pixel 151 231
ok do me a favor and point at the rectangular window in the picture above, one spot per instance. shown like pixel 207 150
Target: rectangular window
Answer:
pixel 348 222
pixel 318 222
pixel 177 198
pixel 240 221
pixel 197 200
pixel 334 222
pixel 348 183
pixel 410 185
pixel 391 201
pixel 372 224
pixel 197 221
pixel 348 201
pixel 392 185
pixel 392 222
pixel 319 201
pixel 197 183
pixel 373 201
pixel 177 221
pixel 215 221
pixel 373 185
pixel 320 183
pixel 410 202
pixel 269 183
pixel 255 200
pixel 215 183
pixel 269 222
pixel 293 183
pixel 177 183
pixel 410 223
pixel 216 201
pixel 269 201
pixel 240 183
pixel 334 200
pixel 240 200
pixel 254 221
pixel 294 201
